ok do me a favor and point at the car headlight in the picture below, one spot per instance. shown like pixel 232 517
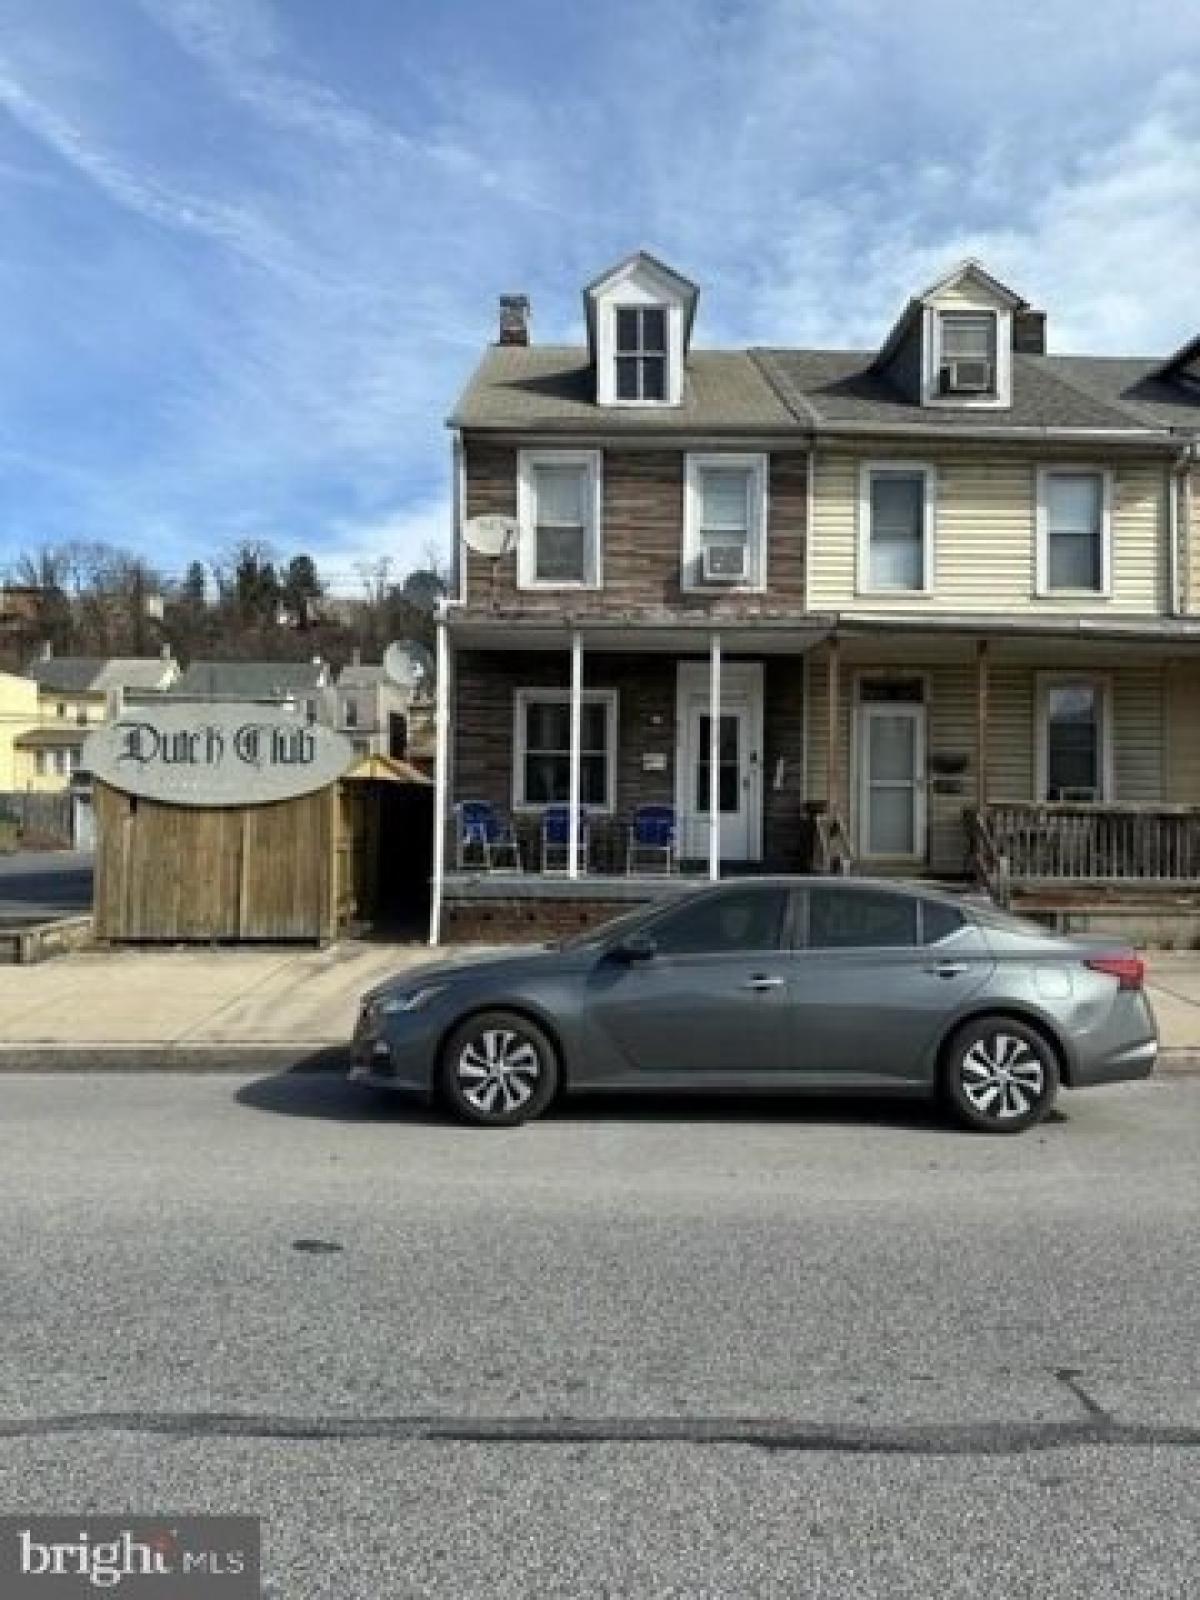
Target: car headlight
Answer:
pixel 415 1000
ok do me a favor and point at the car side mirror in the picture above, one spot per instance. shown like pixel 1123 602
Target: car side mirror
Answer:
pixel 635 947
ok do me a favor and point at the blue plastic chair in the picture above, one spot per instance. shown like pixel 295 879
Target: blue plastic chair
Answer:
pixel 556 839
pixel 652 837
pixel 484 832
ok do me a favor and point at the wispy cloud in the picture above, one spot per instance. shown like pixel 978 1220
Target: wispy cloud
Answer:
pixel 252 249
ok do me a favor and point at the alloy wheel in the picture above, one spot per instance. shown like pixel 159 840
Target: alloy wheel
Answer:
pixel 498 1071
pixel 1002 1077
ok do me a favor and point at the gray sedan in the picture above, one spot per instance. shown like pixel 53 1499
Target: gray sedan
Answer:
pixel 834 985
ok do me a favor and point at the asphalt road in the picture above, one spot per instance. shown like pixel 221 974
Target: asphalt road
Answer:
pixel 44 883
pixel 635 1350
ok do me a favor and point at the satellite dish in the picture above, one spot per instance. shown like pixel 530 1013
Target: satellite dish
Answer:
pixel 408 663
pixel 492 536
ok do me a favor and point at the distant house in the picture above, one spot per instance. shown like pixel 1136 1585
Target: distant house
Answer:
pixel 373 711
pixel 71 695
pixel 276 681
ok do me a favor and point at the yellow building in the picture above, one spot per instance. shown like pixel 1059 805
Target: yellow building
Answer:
pixel 61 700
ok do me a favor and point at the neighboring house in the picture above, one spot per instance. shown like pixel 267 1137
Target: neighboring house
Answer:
pixel 75 694
pixel 302 683
pixel 18 714
pixel 928 608
pixel 373 711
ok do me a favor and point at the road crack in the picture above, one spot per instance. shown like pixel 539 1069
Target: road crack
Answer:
pixel 994 1438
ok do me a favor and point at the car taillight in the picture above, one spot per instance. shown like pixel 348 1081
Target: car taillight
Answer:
pixel 1129 971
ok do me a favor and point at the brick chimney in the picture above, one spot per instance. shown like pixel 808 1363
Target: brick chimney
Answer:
pixel 514 319
pixel 1029 333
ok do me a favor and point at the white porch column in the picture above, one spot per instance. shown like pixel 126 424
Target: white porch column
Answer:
pixel 573 783
pixel 441 780
pixel 714 756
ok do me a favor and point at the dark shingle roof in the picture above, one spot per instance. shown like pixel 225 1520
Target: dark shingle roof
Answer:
pixel 248 680
pixel 550 388
pixel 843 386
pixel 96 674
pixel 1134 382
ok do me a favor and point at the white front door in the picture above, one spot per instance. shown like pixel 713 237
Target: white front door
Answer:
pixel 739 762
pixel 891 782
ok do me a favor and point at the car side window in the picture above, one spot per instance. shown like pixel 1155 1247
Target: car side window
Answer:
pixel 723 924
pixel 847 919
pixel 939 921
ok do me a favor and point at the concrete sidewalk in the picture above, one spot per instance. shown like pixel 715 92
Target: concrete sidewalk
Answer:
pixel 217 1008
pixel 246 1009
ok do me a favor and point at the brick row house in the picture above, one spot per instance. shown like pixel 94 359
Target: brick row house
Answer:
pixel 929 609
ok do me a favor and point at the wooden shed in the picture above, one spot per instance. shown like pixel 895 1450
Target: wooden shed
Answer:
pixel 231 823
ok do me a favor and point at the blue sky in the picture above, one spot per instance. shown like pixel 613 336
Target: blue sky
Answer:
pixel 251 248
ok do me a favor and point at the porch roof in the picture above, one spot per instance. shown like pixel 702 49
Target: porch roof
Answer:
pixel 686 633
pixel 665 632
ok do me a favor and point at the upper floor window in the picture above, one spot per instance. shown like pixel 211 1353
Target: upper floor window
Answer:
pixel 725 521
pixel 641 353
pixel 1074 531
pixel 967 352
pixel 350 711
pixel 558 510
pixel 895 551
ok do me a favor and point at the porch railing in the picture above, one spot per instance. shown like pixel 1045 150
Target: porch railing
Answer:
pixel 1015 843
pixel 832 851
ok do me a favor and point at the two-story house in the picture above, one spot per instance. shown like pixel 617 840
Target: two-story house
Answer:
pixel 932 608
pixel 74 695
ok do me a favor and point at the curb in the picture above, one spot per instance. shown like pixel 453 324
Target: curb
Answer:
pixel 315 1056
pixel 318 1056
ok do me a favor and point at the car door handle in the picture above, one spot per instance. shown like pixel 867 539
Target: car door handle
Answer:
pixel 764 983
pixel 947 969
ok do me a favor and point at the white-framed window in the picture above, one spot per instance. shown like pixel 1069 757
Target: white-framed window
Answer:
pixel 640 353
pixel 1074 531
pixel 967 356
pixel 725 522
pixel 1074 737
pixel 559 516
pixel 895 527
pixel 967 352
pixel 42 762
pixel 542 749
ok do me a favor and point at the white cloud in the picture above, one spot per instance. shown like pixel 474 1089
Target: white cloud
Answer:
pixel 297 270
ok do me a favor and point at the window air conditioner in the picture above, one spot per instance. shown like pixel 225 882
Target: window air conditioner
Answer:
pixel 966 377
pixel 724 563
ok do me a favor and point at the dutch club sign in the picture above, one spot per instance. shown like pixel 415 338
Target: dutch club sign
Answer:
pixel 216 755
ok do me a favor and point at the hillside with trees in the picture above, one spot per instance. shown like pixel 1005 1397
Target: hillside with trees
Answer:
pixel 250 604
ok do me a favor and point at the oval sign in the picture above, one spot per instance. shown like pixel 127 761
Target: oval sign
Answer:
pixel 215 755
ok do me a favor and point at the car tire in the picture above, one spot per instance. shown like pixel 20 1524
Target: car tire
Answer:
pixel 498 1070
pixel 999 1075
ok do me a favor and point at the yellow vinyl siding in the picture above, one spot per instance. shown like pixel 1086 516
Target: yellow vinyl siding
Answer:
pixel 985 538
pixel 1191 575
pixel 1138 731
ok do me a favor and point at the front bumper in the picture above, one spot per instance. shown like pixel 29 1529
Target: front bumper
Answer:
pixel 394 1052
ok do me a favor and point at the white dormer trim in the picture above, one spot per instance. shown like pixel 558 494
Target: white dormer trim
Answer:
pixel 638 283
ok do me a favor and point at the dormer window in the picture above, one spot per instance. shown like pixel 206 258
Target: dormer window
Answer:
pixel 967 352
pixel 639 322
pixel 641 353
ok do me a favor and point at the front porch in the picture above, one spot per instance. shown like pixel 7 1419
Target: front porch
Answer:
pixel 1059 773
